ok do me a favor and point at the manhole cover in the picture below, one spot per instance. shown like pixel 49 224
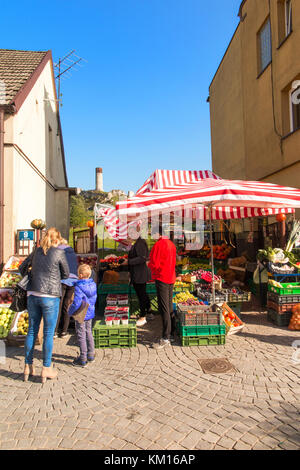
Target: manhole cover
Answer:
pixel 216 366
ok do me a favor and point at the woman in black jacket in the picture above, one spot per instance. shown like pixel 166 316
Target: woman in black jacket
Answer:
pixel 48 267
pixel 140 275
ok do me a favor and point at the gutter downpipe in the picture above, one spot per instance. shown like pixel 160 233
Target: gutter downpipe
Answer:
pixel 1 187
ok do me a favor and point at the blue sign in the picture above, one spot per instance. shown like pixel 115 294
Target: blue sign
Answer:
pixel 26 235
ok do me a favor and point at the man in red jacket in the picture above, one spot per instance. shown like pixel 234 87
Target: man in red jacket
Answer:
pixel 162 265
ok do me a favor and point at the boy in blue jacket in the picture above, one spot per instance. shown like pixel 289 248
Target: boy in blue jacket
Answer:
pixel 85 290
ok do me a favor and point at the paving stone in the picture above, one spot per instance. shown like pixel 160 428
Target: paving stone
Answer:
pixel 242 446
pixel 288 445
pixel 210 437
pixel 234 434
pixel 160 401
pixel 249 438
pixel 226 443
pixel 8 445
pixel 24 443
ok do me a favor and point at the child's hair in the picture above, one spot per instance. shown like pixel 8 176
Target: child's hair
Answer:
pixel 84 271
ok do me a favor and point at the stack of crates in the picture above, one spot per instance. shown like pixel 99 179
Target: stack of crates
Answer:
pixel 116 336
pixel 281 300
pixel 197 326
pixel 151 291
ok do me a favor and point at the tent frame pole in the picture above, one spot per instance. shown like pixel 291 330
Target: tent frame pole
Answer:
pixel 212 254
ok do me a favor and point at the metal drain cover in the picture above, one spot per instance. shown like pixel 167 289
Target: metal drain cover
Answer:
pixel 216 366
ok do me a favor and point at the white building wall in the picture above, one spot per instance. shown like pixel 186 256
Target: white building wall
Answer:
pixel 28 196
pixel 32 134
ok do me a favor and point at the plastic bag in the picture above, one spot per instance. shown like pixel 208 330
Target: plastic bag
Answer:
pixel 295 320
pixel 263 275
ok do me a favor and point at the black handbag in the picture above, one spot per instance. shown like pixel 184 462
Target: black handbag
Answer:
pixel 19 297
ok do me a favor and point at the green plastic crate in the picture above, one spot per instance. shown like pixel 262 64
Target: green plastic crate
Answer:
pixel 115 342
pixel 284 299
pixel 236 307
pixel 280 319
pixel 203 340
pixel 203 330
pixel 252 286
pixel 115 336
pixel 285 290
pixel 101 330
pixel 150 288
pixel 235 298
pixel 188 288
pixel 114 289
pixel 134 305
pixel 101 304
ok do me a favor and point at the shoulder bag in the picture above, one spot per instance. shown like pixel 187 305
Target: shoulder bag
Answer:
pixel 19 298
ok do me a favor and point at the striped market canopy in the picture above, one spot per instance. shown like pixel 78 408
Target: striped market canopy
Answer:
pixel 228 199
pixel 163 179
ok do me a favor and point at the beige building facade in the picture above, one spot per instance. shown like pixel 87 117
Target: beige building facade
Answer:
pixel 254 96
pixel 34 180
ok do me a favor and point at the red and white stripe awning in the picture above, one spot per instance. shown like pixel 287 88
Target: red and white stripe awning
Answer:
pixel 163 179
pixel 230 199
pixel 173 191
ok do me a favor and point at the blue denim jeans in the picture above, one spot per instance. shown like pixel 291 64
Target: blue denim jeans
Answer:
pixel 38 308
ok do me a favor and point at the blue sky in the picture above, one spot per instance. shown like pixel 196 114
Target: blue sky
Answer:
pixel 139 102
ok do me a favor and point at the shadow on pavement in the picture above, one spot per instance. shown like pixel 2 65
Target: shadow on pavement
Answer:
pixel 271 339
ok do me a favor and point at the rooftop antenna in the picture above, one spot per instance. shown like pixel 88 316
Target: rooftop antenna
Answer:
pixel 64 66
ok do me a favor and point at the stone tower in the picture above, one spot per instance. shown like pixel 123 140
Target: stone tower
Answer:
pixel 99 179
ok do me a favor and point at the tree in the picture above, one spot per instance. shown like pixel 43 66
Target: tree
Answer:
pixel 79 214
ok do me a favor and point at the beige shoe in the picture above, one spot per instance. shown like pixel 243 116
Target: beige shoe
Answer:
pixel 28 370
pixel 141 321
pixel 48 373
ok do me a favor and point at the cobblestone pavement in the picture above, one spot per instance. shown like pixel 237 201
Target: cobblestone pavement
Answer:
pixel 140 398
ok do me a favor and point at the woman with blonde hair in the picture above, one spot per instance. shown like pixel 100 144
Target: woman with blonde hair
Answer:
pixel 48 267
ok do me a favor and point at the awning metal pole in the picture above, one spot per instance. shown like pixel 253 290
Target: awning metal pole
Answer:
pixel 212 255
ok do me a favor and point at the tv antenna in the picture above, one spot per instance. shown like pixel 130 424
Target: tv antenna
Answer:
pixel 64 67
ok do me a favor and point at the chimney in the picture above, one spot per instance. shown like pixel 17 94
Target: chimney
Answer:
pixel 99 179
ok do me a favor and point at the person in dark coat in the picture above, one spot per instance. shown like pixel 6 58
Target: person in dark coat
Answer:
pixel 67 289
pixel 140 275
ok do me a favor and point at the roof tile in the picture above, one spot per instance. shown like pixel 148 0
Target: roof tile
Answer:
pixel 16 67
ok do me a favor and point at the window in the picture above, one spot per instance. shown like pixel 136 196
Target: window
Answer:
pixel 288 16
pixel 295 106
pixel 285 20
pixel 265 46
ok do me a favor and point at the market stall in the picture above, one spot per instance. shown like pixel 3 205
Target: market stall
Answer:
pixel 210 199
pixel 281 271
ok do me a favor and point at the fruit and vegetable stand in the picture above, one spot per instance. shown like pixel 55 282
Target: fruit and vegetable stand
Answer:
pixel 210 199
pixel 13 325
pixel 8 279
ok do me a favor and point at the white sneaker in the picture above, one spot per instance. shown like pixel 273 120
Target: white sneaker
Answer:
pixel 142 321
pixel 162 344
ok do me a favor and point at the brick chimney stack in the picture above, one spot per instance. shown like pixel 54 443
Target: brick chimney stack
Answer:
pixel 99 179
